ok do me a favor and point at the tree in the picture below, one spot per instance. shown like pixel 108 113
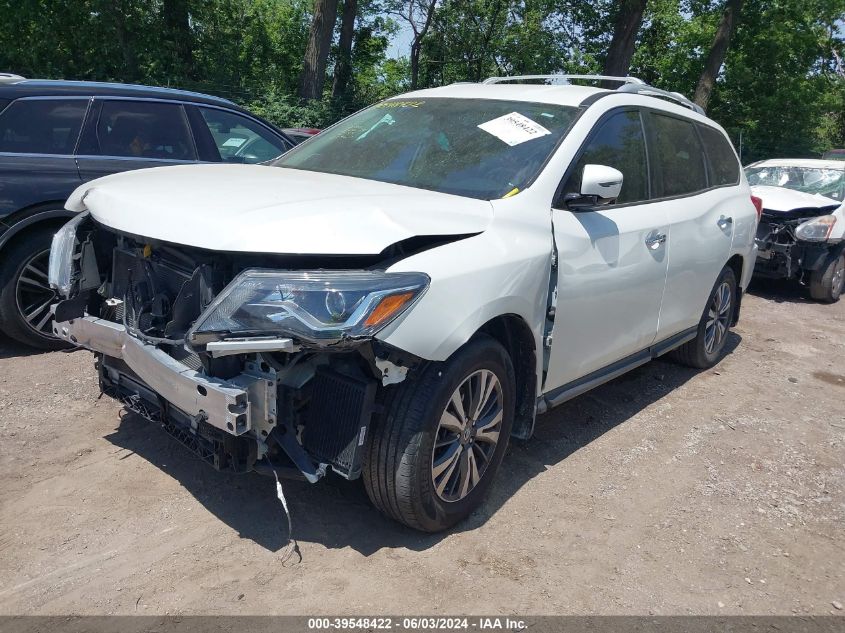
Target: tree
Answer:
pixel 313 74
pixel 718 52
pixel 629 18
pixel 343 65
pixel 177 33
pixel 419 15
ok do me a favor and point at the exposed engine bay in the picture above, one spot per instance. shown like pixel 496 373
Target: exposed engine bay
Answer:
pixel 781 253
pixel 240 398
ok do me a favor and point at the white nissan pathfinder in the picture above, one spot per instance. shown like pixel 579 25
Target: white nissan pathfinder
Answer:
pixel 397 297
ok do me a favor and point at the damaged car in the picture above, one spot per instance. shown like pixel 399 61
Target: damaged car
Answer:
pixel 801 231
pixel 398 297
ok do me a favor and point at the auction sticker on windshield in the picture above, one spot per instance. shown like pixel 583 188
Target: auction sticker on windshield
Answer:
pixel 514 128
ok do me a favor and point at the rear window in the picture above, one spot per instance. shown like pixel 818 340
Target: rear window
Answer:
pixel 724 167
pixel 41 126
pixel 144 129
pixel 679 156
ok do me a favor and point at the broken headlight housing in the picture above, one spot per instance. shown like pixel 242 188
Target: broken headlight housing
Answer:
pixel 815 230
pixel 60 269
pixel 315 306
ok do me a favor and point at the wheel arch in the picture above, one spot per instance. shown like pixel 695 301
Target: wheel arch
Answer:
pixel 737 264
pixel 514 334
pixel 34 218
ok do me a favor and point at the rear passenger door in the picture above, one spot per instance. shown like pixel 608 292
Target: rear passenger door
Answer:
pixel 124 134
pixel 695 192
pixel 37 139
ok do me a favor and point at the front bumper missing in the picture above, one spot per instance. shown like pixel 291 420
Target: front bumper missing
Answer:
pixel 236 406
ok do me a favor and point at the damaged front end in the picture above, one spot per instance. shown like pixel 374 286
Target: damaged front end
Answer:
pixel 254 362
pixel 793 243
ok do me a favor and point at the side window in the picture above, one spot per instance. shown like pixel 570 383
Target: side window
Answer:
pixel 724 167
pixel 619 143
pixel 144 129
pixel 42 126
pixel 240 140
pixel 679 156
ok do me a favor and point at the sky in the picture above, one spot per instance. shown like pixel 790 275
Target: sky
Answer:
pixel 400 45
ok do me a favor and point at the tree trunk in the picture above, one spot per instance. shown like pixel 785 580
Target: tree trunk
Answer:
pixel 343 67
pixel 416 44
pixel 718 52
pixel 628 22
pixel 317 51
pixel 178 31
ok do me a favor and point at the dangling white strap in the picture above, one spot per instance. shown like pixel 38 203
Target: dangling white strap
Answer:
pixel 291 544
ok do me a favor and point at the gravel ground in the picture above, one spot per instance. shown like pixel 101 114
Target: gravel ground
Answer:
pixel 667 491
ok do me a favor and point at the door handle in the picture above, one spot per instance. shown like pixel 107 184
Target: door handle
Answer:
pixel 725 222
pixel 654 240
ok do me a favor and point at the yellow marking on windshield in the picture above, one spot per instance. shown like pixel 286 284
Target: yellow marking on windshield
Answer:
pixel 399 104
pixel 510 193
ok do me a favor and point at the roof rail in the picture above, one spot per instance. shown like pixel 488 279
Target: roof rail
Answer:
pixel 647 90
pixel 633 85
pixel 624 80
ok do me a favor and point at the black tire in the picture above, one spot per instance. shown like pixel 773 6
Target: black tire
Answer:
pixel 398 469
pixel 697 353
pixel 827 283
pixel 13 263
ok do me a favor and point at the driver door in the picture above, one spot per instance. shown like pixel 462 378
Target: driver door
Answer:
pixel 612 263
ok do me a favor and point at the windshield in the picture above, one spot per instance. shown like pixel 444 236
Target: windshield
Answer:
pixel 826 182
pixel 479 148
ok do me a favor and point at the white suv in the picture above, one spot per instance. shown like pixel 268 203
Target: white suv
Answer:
pixel 399 295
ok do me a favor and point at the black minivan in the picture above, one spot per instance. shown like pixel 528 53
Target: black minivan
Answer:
pixel 55 135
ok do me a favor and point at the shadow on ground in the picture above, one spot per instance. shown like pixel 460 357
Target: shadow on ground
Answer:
pixel 336 513
pixel 12 349
pixel 780 290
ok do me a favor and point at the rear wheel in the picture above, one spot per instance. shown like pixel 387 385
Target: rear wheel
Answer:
pixel 827 283
pixel 705 350
pixel 434 451
pixel 25 293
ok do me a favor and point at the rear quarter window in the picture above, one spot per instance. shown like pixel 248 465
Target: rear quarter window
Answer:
pixel 724 166
pixel 41 126
pixel 679 156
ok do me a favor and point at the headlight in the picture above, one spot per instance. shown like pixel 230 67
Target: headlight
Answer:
pixel 815 230
pixel 60 270
pixel 317 306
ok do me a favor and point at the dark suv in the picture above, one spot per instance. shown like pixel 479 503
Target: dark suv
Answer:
pixel 55 135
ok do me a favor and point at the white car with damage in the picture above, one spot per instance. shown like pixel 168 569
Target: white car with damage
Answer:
pixel 801 235
pixel 397 297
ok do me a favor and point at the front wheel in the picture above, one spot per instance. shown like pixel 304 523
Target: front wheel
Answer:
pixel 435 449
pixel 25 293
pixel 706 349
pixel 827 283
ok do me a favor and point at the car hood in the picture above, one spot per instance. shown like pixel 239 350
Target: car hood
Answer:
pixel 783 200
pixel 261 209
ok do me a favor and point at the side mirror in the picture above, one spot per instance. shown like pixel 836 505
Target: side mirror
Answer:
pixel 600 185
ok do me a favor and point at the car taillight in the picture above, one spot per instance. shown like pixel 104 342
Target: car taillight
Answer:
pixel 758 206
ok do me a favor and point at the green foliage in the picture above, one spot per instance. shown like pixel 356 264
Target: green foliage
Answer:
pixel 782 88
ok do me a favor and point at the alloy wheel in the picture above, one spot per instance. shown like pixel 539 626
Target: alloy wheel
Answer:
pixel 34 295
pixel 467 435
pixel 718 318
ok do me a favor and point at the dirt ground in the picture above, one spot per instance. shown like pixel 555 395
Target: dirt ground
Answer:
pixel 667 491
